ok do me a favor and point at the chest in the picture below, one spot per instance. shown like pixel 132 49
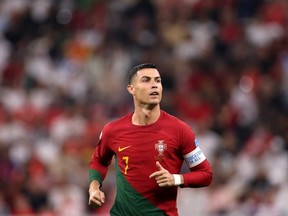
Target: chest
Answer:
pixel 144 146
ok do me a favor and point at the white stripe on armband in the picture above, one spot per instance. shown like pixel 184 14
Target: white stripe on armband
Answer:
pixel 195 157
pixel 177 179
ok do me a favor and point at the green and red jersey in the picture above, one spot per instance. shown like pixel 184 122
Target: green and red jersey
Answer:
pixel 136 149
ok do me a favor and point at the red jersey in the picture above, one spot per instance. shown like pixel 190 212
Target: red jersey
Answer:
pixel 136 149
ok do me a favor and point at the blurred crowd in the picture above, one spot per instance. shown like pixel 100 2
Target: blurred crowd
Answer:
pixel 63 67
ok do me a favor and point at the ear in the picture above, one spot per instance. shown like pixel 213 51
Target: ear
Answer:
pixel 130 89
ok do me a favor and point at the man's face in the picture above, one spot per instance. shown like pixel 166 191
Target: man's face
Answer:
pixel 146 87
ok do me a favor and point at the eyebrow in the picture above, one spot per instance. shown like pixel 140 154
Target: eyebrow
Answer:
pixel 148 77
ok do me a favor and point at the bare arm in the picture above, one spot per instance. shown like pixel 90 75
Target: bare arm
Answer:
pixel 96 196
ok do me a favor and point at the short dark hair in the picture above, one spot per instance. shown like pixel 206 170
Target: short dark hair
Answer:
pixel 135 69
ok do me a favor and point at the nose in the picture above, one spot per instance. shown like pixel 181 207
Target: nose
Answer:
pixel 154 85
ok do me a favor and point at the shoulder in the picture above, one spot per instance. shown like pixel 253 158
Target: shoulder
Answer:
pixel 174 121
pixel 177 126
pixel 118 124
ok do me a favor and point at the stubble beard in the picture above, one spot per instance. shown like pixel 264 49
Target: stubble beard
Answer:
pixel 149 105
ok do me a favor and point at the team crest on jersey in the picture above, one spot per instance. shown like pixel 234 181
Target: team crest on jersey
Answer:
pixel 160 147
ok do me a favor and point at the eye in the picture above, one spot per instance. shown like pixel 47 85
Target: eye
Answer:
pixel 145 79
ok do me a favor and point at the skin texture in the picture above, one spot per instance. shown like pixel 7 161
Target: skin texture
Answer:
pixel 162 177
pixel 146 90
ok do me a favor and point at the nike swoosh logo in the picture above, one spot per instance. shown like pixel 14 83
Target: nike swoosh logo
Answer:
pixel 122 149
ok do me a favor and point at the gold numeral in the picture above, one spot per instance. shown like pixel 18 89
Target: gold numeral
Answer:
pixel 126 158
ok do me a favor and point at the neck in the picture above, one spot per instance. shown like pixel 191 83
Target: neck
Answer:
pixel 146 116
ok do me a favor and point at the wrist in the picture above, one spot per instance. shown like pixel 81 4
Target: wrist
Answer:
pixel 178 180
pixel 94 185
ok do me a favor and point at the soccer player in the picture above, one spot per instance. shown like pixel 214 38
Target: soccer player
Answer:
pixel 149 146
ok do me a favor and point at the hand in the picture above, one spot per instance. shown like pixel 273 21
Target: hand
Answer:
pixel 162 177
pixel 96 196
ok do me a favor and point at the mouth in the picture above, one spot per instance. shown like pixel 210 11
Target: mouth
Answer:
pixel 154 94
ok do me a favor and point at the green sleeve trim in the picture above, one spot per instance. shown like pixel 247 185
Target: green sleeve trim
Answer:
pixel 95 175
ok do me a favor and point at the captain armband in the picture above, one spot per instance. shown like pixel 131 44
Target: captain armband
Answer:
pixel 195 157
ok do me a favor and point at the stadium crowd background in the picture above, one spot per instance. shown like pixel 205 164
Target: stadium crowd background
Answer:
pixel 63 65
